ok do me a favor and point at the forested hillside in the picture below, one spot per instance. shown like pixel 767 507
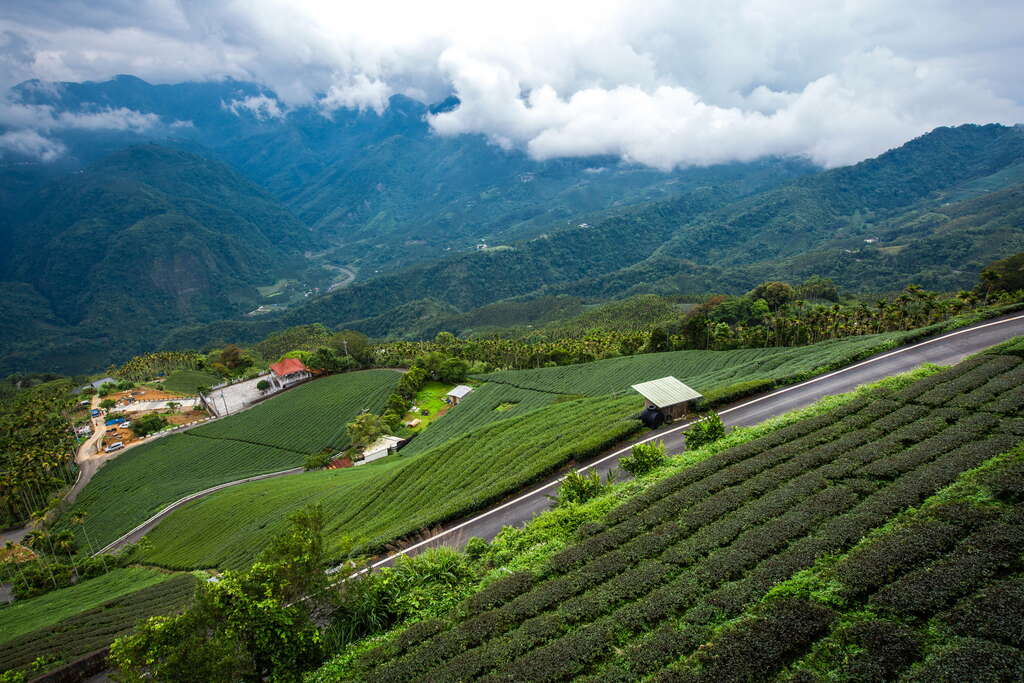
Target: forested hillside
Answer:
pixel 854 224
pixel 144 241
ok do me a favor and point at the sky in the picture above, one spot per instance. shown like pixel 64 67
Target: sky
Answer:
pixel 661 83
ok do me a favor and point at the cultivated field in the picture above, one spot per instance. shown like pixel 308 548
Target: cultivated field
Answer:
pixel 473 455
pixel 129 489
pixel 370 505
pixel 186 381
pixel 84 630
pixel 703 370
pixel 806 553
pixel 35 613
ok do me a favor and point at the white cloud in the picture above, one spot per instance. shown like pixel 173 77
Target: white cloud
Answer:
pixel 360 93
pixel 262 107
pixel 659 82
pixel 31 144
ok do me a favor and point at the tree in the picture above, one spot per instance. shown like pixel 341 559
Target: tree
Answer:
pixel 364 430
pixel 107 403
pixel 353 344
pixel 453 370
pixel 658 341
pixel 246 626
pixel 147 424
pixel 262 385
pixel 776 294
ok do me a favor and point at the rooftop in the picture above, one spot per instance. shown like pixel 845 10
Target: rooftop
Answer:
pixel 666 391
pixel 460 391
pixel 289 366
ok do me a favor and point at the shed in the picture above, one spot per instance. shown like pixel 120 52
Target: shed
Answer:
pixel 385 445
pixel 458 393
pixel 95 385
pixel 668 397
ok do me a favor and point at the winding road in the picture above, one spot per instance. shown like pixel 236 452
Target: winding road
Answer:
pixel 946 349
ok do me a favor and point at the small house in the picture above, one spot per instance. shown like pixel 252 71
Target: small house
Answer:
pixel 385 445
pixel 414 423
pixel 666 399
pixel 288 372
pixel 95 385
pixel 458 393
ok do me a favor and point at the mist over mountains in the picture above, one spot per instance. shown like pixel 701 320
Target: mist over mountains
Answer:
pixel 182 208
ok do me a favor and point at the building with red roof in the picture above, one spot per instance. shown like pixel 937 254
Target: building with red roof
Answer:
pixel 288 372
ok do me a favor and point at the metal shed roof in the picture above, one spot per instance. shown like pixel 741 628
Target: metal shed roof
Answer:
pixel 460 391
pixel 666 391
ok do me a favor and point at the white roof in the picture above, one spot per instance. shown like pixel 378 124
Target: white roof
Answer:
pixel 383 443
pixel 666 391
pixel 460 391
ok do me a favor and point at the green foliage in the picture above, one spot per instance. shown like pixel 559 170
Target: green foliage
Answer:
pixel 188 381
pixel 36 449
pixel 28 615
pixel 86 629
pixel 644 458
pixel 737 563
pixel 275 435
pixel 370 505
pixel 316 461
pixel 364 430
pixel 243 626
pixel 147 424
pixel 579 488
pixel 707 429
pixel 702 370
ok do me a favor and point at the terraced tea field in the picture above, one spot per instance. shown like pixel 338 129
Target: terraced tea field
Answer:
pixel 93 626
pixel 703 370
pixel 28 615
pixel 805 554
pixel 273 436
pixel 370 505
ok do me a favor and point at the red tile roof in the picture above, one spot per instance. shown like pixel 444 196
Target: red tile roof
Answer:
pixel 289 366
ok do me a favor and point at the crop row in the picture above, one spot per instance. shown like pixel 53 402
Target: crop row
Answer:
pixel 702 370
pixel 136 485
pixel 310 417
pixel 478 410
pixel 96 628
pixel 680 497
pixel 376 503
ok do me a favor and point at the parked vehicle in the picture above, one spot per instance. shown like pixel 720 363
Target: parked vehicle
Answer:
pixel 116 446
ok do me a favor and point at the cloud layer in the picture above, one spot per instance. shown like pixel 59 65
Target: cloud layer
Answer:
pixel 657 82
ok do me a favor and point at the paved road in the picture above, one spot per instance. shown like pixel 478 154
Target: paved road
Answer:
pixel 946 349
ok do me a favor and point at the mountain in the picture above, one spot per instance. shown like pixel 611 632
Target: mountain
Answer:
pixel 874 226
pixel 382 188
pixel 146 240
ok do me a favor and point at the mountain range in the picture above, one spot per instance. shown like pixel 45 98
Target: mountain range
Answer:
pixel 229 215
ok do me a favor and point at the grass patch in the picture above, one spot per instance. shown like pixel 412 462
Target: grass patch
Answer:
pixel 186 381
pixel 430 397
pixel 48 609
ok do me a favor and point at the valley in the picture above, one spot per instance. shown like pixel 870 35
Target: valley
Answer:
pixel 464 373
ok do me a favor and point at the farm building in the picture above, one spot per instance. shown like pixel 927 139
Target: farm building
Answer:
pixel 288 372
pixel 95 385
pixel 385 445
pixel 665 399
pixel 458 393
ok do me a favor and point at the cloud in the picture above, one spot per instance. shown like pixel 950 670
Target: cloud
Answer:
pixel 29 143
pixel 657 82
pixel 262 107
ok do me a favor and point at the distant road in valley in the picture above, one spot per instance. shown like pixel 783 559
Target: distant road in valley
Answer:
pixel 347 278
pixel 946 349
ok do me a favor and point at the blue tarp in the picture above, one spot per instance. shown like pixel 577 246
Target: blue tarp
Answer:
pixel 116 421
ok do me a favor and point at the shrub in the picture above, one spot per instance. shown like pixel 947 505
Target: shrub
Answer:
pixel 316 461
pixel 262 385
pixel 644 458
pixel 579 488
pixel 708 429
